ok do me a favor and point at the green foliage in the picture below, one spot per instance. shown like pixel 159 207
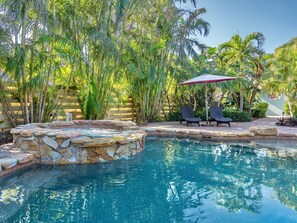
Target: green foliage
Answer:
pixel 200 114
pixel 259 110
pixel 116 49
pixel 173 116
pixel 294 109
pixel 243 57
pixel 160 47
pixel 176 115
pixel 238 116
pixel 282 78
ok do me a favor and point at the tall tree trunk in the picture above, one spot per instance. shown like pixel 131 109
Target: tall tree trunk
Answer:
pixel 291 109
pixel 40 105
pixel 17 73
pixel 252 98
pixel 23 44
pixel 31 69
pixel 221 99
pixel 241 98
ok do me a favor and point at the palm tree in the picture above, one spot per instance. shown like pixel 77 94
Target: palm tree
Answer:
pixel 158 45
pixel 241 56
pixel 283 78
pixel 93 44
pixel 21 20
pixel 188 27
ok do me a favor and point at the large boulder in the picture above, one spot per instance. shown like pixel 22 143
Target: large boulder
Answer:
pixel 263 131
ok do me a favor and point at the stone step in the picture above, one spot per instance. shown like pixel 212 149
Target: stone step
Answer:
pixel 7 163
pixel 23 157
pixel 5 154
pixel 11 157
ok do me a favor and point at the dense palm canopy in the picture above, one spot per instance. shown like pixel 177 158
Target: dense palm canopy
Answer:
pixel 116 49
pixel 283 76
pixel 48 46
pixel 242 56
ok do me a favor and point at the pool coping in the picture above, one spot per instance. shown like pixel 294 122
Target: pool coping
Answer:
pixel 241 132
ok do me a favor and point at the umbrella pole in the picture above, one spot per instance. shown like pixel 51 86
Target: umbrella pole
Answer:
pixel 206 104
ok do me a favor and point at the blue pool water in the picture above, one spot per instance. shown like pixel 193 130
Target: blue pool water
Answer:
pixel 171 181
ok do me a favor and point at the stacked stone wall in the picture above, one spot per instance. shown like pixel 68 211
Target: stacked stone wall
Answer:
pixel 66 142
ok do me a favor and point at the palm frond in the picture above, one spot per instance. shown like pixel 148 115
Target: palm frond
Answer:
pixel 120 6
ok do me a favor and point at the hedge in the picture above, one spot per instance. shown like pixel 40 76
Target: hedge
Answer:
pixel 238 116
pixel 259 110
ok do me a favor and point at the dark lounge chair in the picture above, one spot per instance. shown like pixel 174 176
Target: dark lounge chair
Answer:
pixel 188 116
pixel 216 114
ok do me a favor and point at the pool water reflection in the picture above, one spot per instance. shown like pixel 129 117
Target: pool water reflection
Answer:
pixel 171 181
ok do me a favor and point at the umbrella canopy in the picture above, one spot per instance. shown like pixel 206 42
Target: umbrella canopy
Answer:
pixel 206 79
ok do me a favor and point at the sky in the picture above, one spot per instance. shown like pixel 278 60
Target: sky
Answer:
pixel 276 19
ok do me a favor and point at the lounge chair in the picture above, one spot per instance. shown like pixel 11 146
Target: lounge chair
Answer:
pixel 216 114
pixel 188 116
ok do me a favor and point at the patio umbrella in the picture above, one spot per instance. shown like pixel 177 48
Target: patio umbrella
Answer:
pixel 206 79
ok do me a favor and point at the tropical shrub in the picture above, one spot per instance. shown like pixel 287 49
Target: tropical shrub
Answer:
pixel 201 114
pixel 176 115
pixel 173 116
pixel 259 110
pixel 238 116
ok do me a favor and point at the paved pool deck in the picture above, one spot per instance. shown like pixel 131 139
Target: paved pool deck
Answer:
pixel 237 129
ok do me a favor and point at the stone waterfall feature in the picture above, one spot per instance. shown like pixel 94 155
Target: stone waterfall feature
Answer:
pixel 79 141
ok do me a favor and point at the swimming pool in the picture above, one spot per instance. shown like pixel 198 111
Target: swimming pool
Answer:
pixel 171 181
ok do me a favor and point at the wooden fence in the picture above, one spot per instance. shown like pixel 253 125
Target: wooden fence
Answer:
pixel 123 112
pixel 5 124
pixel 69 103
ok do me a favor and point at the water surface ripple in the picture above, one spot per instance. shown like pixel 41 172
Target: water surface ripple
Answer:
pixel 171 181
